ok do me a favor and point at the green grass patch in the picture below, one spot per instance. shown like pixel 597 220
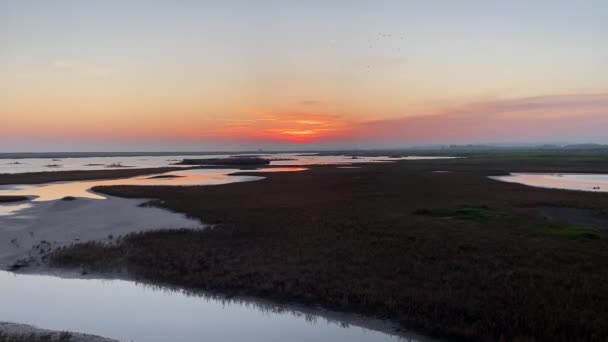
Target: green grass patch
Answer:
pixel 467 213
pixel 568 231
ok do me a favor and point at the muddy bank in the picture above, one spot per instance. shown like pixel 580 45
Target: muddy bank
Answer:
pixel 64 176
pixel 9 199
pixel 27 236
pixel 576 216
pixel 30 333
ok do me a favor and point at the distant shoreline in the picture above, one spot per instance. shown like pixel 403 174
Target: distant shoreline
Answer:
pixel 79 175
pixel 18 330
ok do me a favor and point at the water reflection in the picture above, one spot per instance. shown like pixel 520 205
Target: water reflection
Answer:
pixel 117 162
pixel 567 181
pixel 133 312
pixel 55 191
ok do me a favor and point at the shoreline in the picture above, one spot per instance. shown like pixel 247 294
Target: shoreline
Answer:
pixel 13 199
pixel 27 237
pixel 79 175
pixel 25 330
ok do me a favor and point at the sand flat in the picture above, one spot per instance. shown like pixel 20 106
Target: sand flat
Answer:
pixel 52 224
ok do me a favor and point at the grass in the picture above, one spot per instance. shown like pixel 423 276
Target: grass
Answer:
pixel 356 240
pixel 93 255
pixel 44 337
pixel 485 214
pixel 554 229
pixel 467 213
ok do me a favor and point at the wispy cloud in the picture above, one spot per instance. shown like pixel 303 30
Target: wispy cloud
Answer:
pixel 555 118
pixel 84 69
pixel 551 105
pixel 559 117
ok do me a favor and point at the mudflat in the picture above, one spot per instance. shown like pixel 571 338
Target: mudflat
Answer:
pixel 64 176
pixel 8 199
pixel 452 254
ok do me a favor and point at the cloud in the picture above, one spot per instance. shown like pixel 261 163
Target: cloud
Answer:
pixel 545 118
pixel 559 118
pixel 84 69
pixel 555 105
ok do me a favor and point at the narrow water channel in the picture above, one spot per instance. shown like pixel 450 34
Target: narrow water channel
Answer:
pixel 129 311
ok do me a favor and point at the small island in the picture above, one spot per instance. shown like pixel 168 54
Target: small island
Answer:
pixel 232 161
pixel 8 199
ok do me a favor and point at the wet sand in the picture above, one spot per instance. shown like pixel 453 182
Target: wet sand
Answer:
pixel 576 216
pixel 44 226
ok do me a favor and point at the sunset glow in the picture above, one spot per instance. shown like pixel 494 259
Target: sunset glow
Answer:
pixel 245 76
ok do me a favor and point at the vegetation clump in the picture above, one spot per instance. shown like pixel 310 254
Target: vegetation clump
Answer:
pixel 32 337
pixel 232 161
pixel 568 231
pixel 7 199
pixel 466 213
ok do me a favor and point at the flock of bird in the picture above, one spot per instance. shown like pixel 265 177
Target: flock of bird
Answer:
pixel 380 36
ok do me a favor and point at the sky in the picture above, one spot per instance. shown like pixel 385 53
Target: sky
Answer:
pixel 247 75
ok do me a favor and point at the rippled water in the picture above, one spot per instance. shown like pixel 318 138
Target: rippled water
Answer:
pixel 567 181
pixel 128 311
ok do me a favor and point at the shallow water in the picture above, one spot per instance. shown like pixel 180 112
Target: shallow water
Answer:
pixel 101 163
pixel 61 223
pixel 58 190
pixel 133 312
pixel 12 208
pixel 567 181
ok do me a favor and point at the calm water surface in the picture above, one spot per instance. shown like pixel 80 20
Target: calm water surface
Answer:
pixel 129 311
pixel 101 163
pixel 58 190
pixel 567 181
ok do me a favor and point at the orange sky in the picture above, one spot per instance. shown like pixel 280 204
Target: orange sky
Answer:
pixel 391 73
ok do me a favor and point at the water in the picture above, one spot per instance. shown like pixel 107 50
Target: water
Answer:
pixel 117 162
pixel 128 311
pixel 567 181
pixel 58 190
